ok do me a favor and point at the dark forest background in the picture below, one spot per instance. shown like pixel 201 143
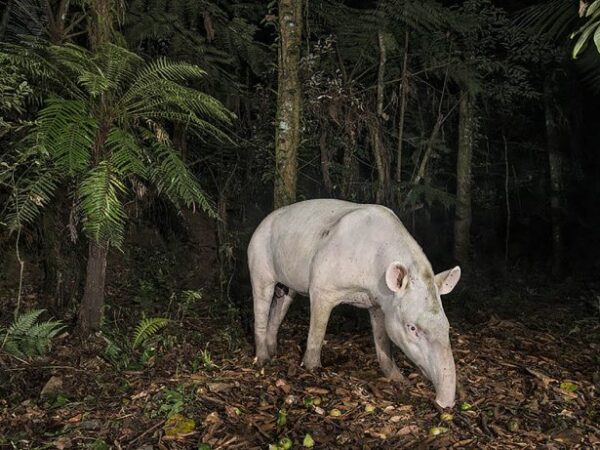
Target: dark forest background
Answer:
pixel 396 97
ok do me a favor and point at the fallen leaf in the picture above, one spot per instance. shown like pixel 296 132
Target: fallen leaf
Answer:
pixel 568 386
pixel 308 441
pixel 335 412
pixel 408 429
pixel 435 431
pixel 178 426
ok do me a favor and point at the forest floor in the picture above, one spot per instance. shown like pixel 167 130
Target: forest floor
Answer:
pixel 528 380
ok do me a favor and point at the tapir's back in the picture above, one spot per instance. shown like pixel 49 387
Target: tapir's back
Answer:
pixel 289 238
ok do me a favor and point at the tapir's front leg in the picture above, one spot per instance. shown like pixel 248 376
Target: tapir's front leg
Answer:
pixel 320 310
pixel 383 345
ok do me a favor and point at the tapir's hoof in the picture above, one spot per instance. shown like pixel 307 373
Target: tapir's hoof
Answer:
pixel 262 360
pixel 272 351
pixel 396 376
pixel 311 365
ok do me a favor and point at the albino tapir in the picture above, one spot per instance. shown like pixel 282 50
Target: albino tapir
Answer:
pixel 341 252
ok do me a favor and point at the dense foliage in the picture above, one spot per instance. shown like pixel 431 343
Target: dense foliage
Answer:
pixel 102 119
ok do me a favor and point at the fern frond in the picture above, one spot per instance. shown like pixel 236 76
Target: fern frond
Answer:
pixel 147 328
pixel 102 210
pixel 173 179
pixel 30 196
pixel 24 322
pixel 126 154
pixel 67 132
pixel 27 337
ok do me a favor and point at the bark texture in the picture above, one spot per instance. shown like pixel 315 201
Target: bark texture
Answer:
pixel 382 157
pixel 101 29
pixel 90 312
pixel 462 220
pixel 289 103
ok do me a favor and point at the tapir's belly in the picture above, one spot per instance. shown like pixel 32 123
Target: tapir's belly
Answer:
pixel 358 299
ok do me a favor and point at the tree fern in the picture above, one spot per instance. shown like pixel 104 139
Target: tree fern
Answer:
pixel 104 125
pixel 147 328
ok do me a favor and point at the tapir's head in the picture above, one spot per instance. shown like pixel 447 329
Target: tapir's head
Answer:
pixel 415 321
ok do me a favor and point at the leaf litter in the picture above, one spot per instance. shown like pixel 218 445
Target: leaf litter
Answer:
pixel 520 386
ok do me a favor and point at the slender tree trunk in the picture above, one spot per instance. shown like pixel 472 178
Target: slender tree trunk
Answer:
pixel 325 161
pixel 5 18
pixel 382 163
pixel 289 104
pixel 555 163
pixel 90 312
pixel 462 220
pixel 382 159
pixel 222 232
pixel 348 159
pixel 402 116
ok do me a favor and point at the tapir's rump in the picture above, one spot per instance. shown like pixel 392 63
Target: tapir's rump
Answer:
pixel 342 252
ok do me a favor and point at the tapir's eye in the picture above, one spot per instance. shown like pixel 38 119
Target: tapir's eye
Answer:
pixel 412 329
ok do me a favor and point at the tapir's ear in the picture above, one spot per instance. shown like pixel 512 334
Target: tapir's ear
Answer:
pixel 445 281
pixel 396 276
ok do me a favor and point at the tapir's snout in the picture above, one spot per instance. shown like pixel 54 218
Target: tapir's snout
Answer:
pixel 443 374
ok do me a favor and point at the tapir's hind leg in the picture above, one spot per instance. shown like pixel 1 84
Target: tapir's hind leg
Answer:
pixel 262 294
pixel 281 303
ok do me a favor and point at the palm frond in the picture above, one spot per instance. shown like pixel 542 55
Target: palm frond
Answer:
pixel 554 18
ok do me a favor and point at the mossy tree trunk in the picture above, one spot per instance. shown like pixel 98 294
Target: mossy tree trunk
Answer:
pixel 463 214
pixel 289 102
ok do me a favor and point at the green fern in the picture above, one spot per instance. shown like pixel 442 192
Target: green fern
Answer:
pixel 104 214
pixel 28 337
pixel 147 328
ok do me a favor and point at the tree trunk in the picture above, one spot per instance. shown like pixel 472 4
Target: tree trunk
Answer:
pixel 90 311
pixel 382 159
pixel 402 116
pixel 382 163
pixel 4 20
pixel 287 134
pixel 348 159
pixel 101 28
pixel 462 220
pixel 555 163
pixel 325 161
